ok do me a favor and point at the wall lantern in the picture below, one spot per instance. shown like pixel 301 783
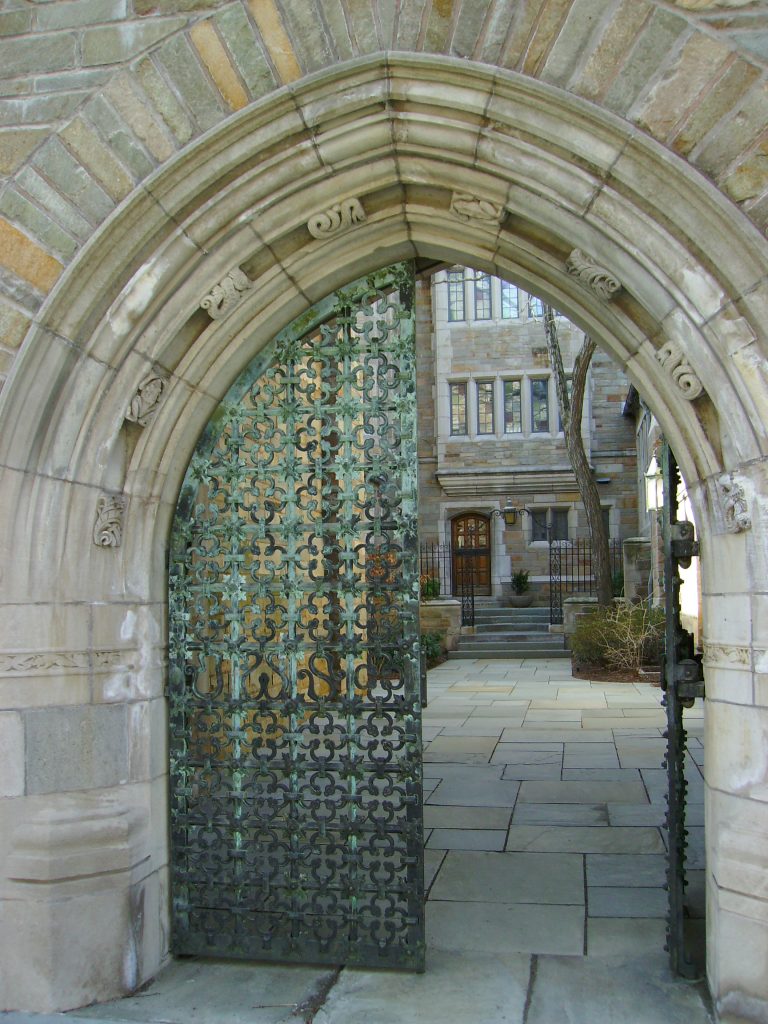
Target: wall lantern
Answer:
pixel 510 512
pixel 654 486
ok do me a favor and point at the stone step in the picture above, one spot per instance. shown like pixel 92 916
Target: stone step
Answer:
pixel 509 653
pixel 532 626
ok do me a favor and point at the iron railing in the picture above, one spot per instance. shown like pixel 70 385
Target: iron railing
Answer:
pixel 570 571
pixel 436 564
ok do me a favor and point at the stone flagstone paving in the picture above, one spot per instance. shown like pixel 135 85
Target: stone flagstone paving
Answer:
pixel 544 798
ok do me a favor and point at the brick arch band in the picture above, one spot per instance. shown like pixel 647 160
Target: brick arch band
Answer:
pixel 344 172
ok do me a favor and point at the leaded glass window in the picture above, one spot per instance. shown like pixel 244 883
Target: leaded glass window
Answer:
pixel 540 405
pixel 458 408
pixel 510 301
pixel 513 407
pixel 456 295
pixel 482 297
pixel 485 424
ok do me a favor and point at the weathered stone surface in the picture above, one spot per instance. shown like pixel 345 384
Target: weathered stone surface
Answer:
pixel 118 136
pixel 572 42
pixel 54 203
pixel 409 24
pixel 53 52
pixel 74 13
pixel 16 206
pixel 307 34
pixel 13 325
pixel 11 754
pixel 31 110
pixel 216 59
pixel 99 159
pixel 123 94
pixel 543 35
pixel 14 23
pixel 16 145
pixel 728 91
pixel 164 99
pixel 76 748
pixel 59 166
pixel 614 43
pixel 115 43
pixel 468 27
pixel 362 27
pixel 22 256
pixel 247 50
pixel 276 39
pixel 180 62
pixel 653 45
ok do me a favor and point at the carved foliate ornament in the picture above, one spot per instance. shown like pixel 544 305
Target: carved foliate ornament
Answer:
pixel 602 282
pixel 223 297
pixel 680 370
pixel 108 528
pixel 735 511
pixel 467 207
pixel 147 400
pixel 338 218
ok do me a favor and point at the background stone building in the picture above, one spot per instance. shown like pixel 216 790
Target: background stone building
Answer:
pixel 490 428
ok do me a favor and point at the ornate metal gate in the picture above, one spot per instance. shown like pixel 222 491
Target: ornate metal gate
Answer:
pixel 683 681
pixel 295 732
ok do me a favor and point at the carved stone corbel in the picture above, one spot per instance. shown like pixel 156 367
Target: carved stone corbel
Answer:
pixel 735 512
pixel 680 370
pixel 223 297
pixel 108 528
pixel 467 207
pixel 147 400
pixel 602 282
pixel 339 217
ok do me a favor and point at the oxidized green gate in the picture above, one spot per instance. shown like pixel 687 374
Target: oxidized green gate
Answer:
pixel 295 732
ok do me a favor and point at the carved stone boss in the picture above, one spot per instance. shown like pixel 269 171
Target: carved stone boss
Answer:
pixel 223 297
pixel 467 207
pixel 147 400
pixel 108 528
pixel 680 370
pixel 735 511
pixel 602 282
pixel 339 217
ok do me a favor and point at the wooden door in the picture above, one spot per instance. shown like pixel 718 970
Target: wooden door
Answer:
pixel 471 547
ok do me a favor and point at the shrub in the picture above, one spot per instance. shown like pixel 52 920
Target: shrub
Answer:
pixel 429 587
pixel 520 583
pixel 623 636
pixel 432 648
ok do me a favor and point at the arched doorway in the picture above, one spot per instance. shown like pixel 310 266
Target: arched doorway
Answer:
pixel 471 553
pixel 131 307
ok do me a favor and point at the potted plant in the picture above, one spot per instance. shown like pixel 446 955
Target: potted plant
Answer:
pixel 521 596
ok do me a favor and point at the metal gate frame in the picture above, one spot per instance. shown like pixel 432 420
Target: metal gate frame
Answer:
pixel 294 676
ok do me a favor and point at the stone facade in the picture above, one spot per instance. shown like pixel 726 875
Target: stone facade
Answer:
pixel 475 469
pixel 147 150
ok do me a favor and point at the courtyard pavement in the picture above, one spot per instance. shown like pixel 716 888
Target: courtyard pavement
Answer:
pixel 545 865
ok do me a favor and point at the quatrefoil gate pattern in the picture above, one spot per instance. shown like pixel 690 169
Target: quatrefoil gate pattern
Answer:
pixel 295 734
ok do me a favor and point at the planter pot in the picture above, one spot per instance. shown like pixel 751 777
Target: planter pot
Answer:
pixel 520 600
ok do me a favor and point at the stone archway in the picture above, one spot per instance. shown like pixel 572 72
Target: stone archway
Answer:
pixel 380 160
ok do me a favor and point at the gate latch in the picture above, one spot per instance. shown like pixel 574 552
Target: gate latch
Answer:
pixel 684 543
pixel 689 680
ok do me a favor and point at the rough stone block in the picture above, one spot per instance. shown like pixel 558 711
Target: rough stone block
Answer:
pixel 183 67
pixel 310 44
pixel 115 43
pixel 164 99
pixel 60 209
pixel 22 256
pixel 76 748
pixel 13 325
pixel 73 181
pixel 216 59
pixel 11 754
pixel 30 110
pixel 119 137
pixel 653 45
pixel 14 23
pixel 359 14
pixel 98 158
pixel 54 52
pixel 572 41
pixel 612 48
pixel 126 98
pixel 38 223
pixel 75 13
pixel 247 51
pixel 16 145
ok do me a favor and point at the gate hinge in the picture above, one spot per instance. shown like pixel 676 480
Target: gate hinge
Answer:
pixel 683 543
pixel 688 678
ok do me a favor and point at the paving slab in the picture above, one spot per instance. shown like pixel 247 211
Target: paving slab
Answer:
pixel 510 753
pixel 503 927
pixel 560 814
pixel 629 990
pixel 461 987
pixel 618 902
pixel 466 817
pixel 582 792
pixel 636 814
pixel 478 793
pixel 432 861
pixel 628 870
pixel 215 992
pixel 584 839
pixel 625 936
pixel 540 878
pixel 467 839
pixel 600 774
pixel 559 735
pixel 531 772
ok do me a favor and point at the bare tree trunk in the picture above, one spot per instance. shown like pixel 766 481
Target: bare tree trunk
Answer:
pixel 571 408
